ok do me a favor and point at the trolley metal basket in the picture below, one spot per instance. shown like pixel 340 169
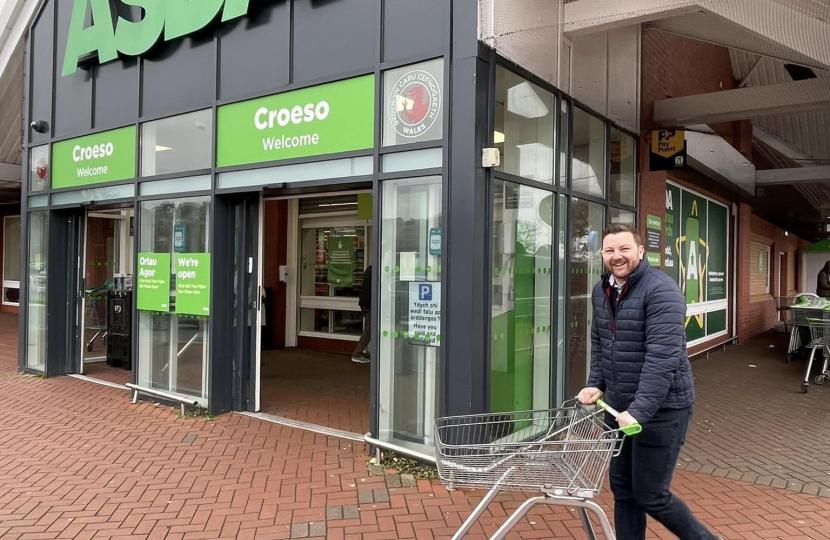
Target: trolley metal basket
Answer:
pixel 819 340
pixel 807 306
pixel 563 453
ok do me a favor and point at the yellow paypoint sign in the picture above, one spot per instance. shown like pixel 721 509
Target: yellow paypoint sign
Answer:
pixel 668 150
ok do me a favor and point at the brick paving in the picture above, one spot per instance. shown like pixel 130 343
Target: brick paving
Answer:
pixel 754 424
pixel 79 461
pixel 101 371
pixel 316 387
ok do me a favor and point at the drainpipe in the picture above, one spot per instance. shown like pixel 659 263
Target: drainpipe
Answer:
pixel 734 273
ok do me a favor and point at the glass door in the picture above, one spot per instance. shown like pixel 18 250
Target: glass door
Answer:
pixel 248 301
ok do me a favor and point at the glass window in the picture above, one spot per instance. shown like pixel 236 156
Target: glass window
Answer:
pixel 429 158
pixel 172 347
pixel 623 168
pixel 588 159
pixel 561 334
pixel 36 312
pixel 564 141
pixel 315 264
pixel 413 103
pixel 331 321
pixel 300 172
pixel 11 260
pixel 525 125
pixel 177 144
pixel 520 376
pixel 39 168
pixel 623 216
pixel 410 310
pixel 587 223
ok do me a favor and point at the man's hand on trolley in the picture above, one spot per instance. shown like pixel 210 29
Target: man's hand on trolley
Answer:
pixel 625 420
pixel 589 396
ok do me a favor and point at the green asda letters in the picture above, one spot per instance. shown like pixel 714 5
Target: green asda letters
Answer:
pixel 176 17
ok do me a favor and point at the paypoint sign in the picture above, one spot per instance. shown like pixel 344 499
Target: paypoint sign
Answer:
pixel 106 41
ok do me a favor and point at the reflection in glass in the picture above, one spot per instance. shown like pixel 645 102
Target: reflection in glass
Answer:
pixel 623 168
pixel 623 216
pixel 177 144
pixel 521 326
pixel 173 349
pixel 588 163
pixel 36 313
pixel 561 334
pixel 525 124
pixel 331 321
pixel 587 221
pixel 410 273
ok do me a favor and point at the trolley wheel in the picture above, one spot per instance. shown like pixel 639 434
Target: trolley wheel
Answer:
pixel 804 387
pixel 790 357
pixel 820 379
pixel 89 347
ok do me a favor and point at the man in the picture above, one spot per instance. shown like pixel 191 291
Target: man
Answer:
pixel 823 281
pixel 639 363
pixel 365 303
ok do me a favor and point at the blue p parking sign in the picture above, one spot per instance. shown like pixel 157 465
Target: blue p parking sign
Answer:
pixel 425 292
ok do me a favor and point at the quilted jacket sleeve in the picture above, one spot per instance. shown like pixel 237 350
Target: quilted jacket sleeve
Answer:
pixel 665 313
pixel 596 379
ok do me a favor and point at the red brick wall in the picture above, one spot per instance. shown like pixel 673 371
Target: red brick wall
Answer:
pixel 275 253
pixel 757 313
pixel 675 66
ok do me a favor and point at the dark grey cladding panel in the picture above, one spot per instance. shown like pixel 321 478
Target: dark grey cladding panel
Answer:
pixel 179 75
pixel 116 93
pixel 334 36
pixel 412 29
pixel 73 93
pixel 41 64
pixel 255 50
pixel 116 83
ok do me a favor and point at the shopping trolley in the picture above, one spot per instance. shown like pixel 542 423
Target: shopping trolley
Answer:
pixel 561 453
pixel 819 339
pixel 807 306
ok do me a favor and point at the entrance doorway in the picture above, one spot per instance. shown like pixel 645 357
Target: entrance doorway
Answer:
pixel 106 295
pixel 316 251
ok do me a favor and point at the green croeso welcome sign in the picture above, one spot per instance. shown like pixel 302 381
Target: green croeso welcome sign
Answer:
pixel 106 41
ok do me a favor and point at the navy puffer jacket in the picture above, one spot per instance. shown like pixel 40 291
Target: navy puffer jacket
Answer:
pixel 639 358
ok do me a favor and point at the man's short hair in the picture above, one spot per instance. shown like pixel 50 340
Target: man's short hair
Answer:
pixel 616 228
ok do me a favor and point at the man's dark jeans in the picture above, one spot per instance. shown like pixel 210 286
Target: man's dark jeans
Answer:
pixel 641 477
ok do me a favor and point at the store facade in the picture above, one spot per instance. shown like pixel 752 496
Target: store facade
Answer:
pixel 177 128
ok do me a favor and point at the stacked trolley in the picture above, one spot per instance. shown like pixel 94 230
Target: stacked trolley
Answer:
pixel 819 341
pixel 563 454
pixel 807 307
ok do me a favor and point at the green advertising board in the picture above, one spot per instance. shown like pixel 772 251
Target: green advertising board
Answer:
pixel 672 231
pixel 694 255
pixel 193 284
pixel 716 267
pixel 153 282
pixel 324 119
pixel 653 259
pixel 340 261
pixel 103 157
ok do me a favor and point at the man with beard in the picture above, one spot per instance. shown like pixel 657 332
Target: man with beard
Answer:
pixel 640 365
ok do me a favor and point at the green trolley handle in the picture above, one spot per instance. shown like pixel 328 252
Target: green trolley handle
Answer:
pixel 633 429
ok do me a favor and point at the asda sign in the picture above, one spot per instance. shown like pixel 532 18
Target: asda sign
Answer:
pixel 105 40
pixel 103 157
pixel 325 119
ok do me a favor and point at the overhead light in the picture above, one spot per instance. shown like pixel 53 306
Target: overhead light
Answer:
pixel 338 204
pixel 498 137
pixel 160 148
pixel 523 100
pixel 786 233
